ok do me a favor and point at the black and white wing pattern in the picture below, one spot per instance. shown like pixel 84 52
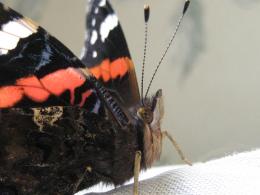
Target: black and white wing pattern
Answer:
pixel 36 70
pixel 106 53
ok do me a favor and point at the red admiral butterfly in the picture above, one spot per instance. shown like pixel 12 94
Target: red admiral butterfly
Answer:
pixel 66 123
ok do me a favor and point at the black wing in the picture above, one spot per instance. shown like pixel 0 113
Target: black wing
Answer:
pixel 36 69
pixel 106 53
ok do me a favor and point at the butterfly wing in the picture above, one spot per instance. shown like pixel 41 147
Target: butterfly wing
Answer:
pixel 106 53
pixel 36 70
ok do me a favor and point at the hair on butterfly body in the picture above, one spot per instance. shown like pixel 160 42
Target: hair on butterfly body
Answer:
pixel 77 122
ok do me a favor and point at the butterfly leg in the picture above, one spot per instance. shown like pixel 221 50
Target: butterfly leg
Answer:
pixel 88 169
pixel 137 170
pixel 177 147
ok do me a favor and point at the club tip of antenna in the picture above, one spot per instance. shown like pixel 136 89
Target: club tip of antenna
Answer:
pixel 186 6
pixel 146 13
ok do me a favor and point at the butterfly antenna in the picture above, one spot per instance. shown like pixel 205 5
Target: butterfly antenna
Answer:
pixel 146 18
pixel 186 5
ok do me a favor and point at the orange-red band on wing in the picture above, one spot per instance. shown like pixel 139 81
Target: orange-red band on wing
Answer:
pixel 84 97
pixel 10 95
pixel 67 79
pixel 39 90
pixel 108 70
pixel 32 88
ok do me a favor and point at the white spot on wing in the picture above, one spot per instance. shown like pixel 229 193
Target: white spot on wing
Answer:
pixel 93 22
pixel 3 51
pixel 110 22
pixel 94 54
pixel 93 37
pixel 8 41
pixel 17 28
pixel 96 10
pixel 102 3
pixel 83 51
pixel 13 31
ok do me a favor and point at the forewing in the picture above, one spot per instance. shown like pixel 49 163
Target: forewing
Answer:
pixel 36 70
pixel 106 53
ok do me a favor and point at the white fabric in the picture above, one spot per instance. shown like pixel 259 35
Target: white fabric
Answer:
pixel 238 174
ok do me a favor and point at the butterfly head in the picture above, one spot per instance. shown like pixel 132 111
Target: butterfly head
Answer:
pixel 151 113
pixel 151 110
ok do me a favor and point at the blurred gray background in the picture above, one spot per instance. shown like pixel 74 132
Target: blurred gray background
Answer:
pixel 210 77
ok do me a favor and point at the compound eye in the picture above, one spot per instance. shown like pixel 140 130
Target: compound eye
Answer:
pixel 145 114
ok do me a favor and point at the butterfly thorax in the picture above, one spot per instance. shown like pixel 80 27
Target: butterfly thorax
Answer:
pixel 144 119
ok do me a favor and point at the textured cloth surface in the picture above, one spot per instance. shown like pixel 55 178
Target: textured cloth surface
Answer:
pixel 238 174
